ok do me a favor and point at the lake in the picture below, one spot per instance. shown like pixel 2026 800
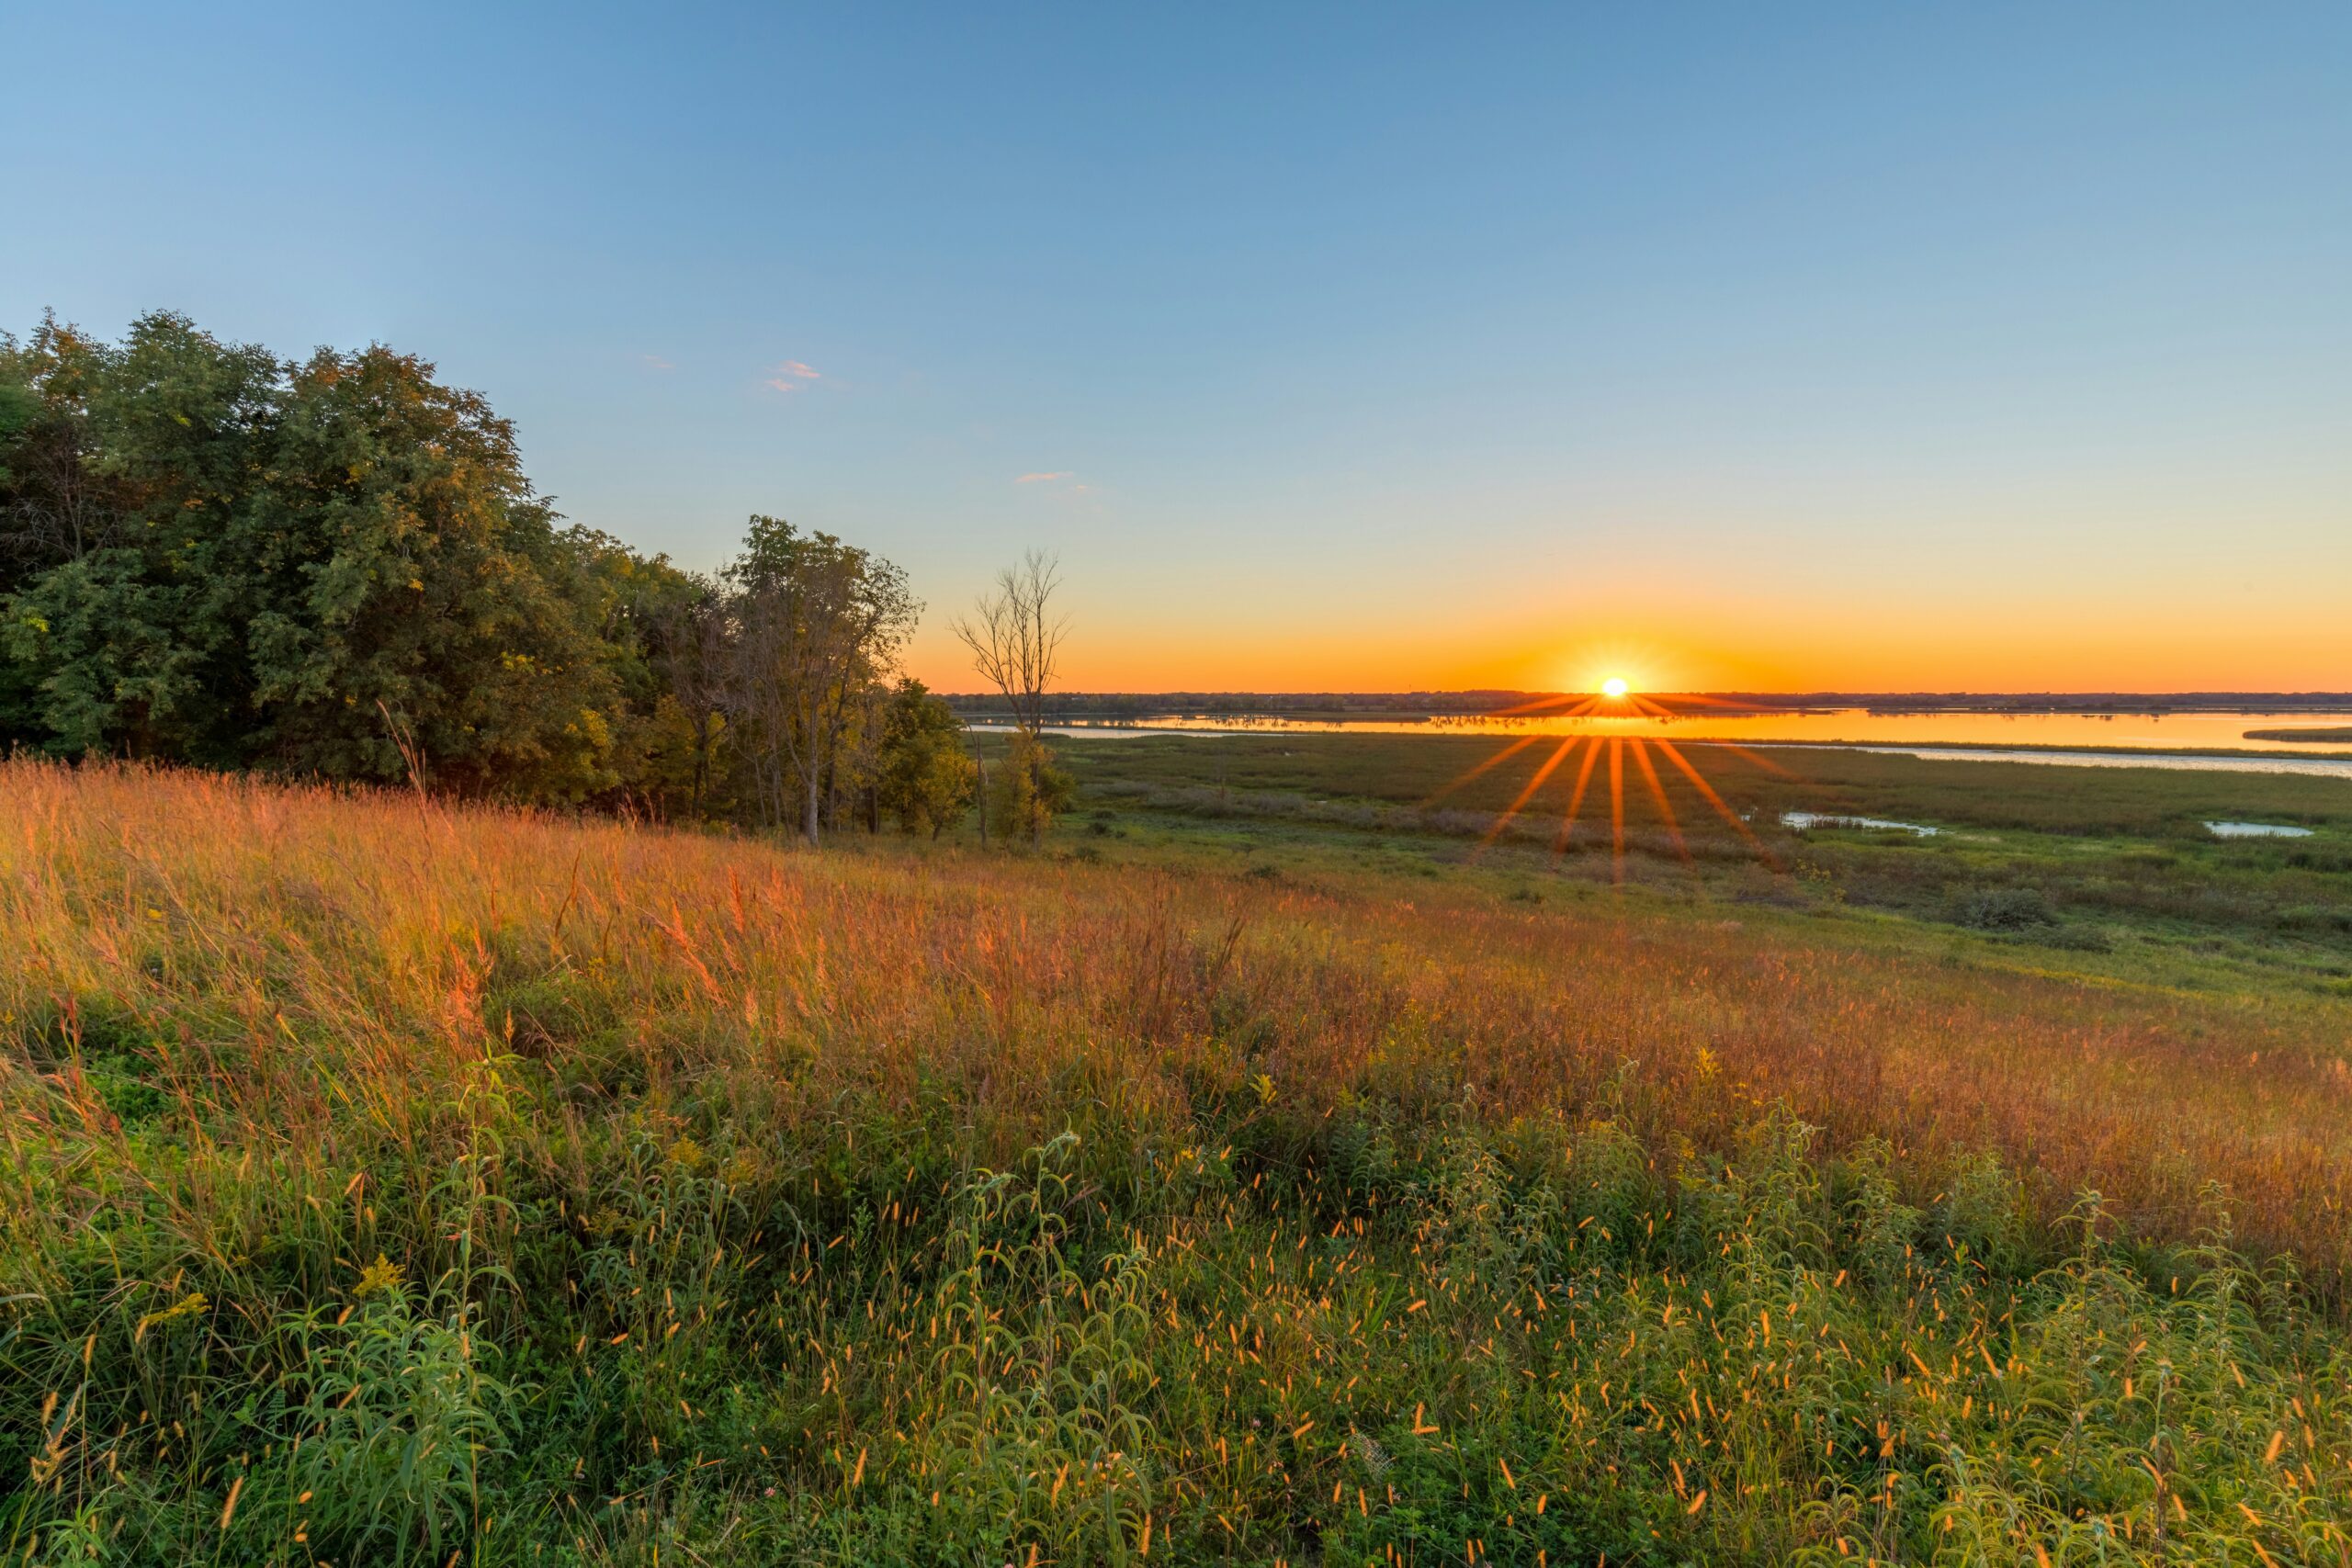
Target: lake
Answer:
pixel 2163 741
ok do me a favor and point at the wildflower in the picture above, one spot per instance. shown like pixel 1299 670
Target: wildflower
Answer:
pixel 188 1306
pixel 381 1275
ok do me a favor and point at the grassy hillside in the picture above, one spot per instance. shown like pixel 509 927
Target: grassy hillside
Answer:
pixel 394 1184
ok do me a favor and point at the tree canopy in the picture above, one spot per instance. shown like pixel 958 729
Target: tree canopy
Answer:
pixel 336 567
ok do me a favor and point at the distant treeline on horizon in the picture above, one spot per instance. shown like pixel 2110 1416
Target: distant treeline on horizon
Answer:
pixel 1147 705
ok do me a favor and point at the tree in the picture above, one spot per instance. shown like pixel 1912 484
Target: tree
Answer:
pixel 412 571
pixel 208 555
pixel 690 647
pixel 336 567
pixel 1015 639
pixel 1029 791
pixel 924 779
pixel 816 624
pixel 130 479
pixel 666 640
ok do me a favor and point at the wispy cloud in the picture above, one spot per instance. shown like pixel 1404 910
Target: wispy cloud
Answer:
pixel 1054 478
pixel 791 375
pixel 655 362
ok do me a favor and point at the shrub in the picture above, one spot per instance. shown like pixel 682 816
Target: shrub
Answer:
pixel 2003 909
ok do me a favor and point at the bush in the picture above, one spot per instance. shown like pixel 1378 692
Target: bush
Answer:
pixel 2004 910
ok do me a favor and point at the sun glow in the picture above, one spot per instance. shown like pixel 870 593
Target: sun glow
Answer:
pixel 1615 700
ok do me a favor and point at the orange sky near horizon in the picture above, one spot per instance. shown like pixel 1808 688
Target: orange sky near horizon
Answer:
pixel 1762 648
pixel 2150 582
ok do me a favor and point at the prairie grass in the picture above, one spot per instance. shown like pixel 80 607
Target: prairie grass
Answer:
pixel 387 1183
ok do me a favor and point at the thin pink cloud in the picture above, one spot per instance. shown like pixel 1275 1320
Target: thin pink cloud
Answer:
pixel 1045 479
pixel 790 376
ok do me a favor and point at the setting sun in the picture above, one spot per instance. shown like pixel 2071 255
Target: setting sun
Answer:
pixel 1614 686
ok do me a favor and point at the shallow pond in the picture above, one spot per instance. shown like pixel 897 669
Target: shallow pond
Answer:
pixel 1801 820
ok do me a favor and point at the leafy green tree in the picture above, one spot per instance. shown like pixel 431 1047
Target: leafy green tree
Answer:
pixel 815 625
pixel 682 756
pixel 127 487
pixel 1028 791
pixel 925 779
pixel 335 568
pixel 338 568
pixel 421 585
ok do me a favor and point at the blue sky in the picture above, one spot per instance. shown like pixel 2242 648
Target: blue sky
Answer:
pixel 1361 347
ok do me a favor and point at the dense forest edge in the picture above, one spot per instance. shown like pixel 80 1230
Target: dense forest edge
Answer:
pixel 335 568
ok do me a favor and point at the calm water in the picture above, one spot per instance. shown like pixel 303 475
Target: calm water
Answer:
pixel 1847 727
pixel 2169 740
pixel 1803 821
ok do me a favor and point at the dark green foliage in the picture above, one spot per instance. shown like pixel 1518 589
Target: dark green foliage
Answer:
pixel 337 568
pixel 2003 909
pixel 816 625
pixel 334 567
pixel 925 778
pixel 1027 790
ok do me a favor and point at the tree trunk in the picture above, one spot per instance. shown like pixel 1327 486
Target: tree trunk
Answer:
pixel 808 817
pixel 1036 789
pixel 980 765
pixel 701 760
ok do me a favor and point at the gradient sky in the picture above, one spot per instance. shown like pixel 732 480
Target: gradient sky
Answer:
pixel 1774 347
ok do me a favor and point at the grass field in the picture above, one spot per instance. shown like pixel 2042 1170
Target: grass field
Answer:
pixel 1251 1176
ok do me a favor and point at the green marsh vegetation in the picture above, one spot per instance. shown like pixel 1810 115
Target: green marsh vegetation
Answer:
pixel 2109 867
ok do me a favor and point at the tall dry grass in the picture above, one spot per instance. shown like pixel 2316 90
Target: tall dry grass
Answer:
pixel 421 1185
pixel 298 954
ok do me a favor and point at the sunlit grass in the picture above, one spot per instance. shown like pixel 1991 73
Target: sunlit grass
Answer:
pixel 388 1183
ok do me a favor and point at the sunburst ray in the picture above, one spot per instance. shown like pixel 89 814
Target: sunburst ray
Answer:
pixel 1497 760
pixel 1723 807
pixel 1616 809
pixel 1576 800
pixel 1535 782
pixel 1615 705
pixel 1657 796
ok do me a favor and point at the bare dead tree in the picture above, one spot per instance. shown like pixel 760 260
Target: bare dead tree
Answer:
pixel 1015 637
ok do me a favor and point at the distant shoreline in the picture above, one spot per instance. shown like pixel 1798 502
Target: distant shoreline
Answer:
pixel 1401 708
pixel 1760 743
pixel 2339 736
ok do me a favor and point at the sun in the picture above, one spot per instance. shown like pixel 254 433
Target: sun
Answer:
pixel 1615 686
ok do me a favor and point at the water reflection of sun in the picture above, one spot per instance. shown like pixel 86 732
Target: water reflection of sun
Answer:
pixel 1616 698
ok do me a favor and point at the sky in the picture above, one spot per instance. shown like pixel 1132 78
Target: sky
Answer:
pixel 1346 348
